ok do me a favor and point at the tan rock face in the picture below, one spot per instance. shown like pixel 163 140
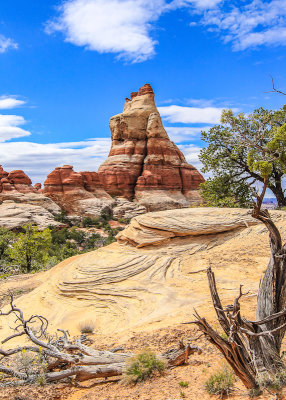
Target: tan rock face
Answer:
pixel 124 288
pixel 14 215
pixel 76 192
pixel 143 164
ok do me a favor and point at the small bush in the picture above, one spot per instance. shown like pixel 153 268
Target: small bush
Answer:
pixel 184 384
pixel 220 383
pixel 143 366
pixel 87 326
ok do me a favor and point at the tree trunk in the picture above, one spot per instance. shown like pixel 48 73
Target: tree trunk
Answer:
pixel 253 347
pixel 271 300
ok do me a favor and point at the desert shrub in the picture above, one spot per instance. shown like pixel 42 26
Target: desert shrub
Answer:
pixel 92 242
pixel 77 235
pixel 62 217
pixel 86 326
pixel 220 383
pixel 32 365
pixel 276 382
pixel 184 384
pixel 143 366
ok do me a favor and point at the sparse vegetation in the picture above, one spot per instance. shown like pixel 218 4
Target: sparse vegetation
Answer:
pixel 87 326
pixel 221 383
pixel 143 366
pixel 184 384
pixel 31 250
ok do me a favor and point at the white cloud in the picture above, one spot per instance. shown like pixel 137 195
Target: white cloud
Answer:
pixel 38 160
pixel 110 26
pixel 183 134
pixel 191 115
pixel 255 24
pixel 123 27
pixel 191 152
pixel 202 4
pixel 10 102
pixel 9 127
pixel 6 44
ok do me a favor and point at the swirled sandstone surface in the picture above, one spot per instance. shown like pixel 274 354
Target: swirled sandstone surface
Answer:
pixel 123 288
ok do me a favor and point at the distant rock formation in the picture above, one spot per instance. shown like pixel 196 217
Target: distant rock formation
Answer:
pixel 144 171
pixel 21 203
pixel 143 164
pixel 79 193
pixel 15 181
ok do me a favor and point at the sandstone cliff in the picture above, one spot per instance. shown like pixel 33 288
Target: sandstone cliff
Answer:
pixel 143 164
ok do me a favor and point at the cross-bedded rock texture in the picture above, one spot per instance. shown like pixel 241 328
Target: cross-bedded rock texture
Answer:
pixel 144 165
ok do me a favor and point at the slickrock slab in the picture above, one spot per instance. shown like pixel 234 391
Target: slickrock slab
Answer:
pixel 157 227
pixel 14 215
pixel 123 288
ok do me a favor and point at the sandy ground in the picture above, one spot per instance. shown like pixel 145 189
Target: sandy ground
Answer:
pixel 165 387
pixel 150 309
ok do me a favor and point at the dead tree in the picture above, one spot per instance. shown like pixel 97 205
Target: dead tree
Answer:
pixel 60 357
pixel 253 348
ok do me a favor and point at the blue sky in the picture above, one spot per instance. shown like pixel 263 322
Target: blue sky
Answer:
pixel 66 68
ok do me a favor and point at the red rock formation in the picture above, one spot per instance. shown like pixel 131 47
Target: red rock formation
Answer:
pixel 15 181
pixel 68 188
pixel 143 164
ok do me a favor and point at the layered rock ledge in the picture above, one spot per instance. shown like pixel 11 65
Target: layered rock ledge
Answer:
pixel 125 288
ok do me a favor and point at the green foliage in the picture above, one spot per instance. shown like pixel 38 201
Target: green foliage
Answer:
pixel 30 250
pixel 62 217
pixel 246 149
pixel 223 191
pixel 6 239
pixel 88 222
pixel 220 383
pixel 33 365
pixel 224 336
pixel 184 384
pixel 143 366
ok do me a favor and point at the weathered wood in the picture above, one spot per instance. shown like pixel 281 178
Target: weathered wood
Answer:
pixel 253 347
pixel 65 358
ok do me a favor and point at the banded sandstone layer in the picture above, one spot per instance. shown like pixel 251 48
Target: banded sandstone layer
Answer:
pixel 143 164
pixel 144 171
pixel 155 274
pixel 79 193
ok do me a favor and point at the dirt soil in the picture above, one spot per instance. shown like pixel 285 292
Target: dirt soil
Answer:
pixel 165 387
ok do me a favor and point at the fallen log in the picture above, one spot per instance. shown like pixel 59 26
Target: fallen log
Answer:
pixel 58 358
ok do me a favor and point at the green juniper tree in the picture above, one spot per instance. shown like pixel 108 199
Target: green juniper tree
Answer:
pixel 229 154
pixel 31 247
pixel 253 347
